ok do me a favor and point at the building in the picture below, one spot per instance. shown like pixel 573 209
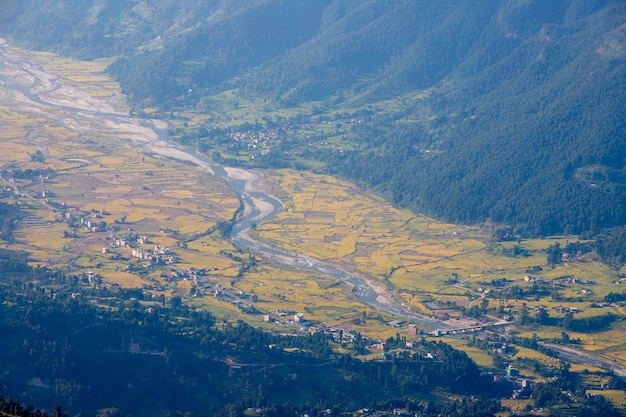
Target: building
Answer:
pixel 512 372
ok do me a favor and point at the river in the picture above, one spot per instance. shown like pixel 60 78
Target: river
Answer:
pixel 33 85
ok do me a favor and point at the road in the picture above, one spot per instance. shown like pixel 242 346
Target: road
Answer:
pixel 578 356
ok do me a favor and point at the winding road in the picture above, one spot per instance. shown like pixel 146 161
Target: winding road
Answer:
pixel 579 356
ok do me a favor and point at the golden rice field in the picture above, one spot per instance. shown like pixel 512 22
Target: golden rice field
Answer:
pixel 481 357
pixel 517 405
pixel 579 367
pixel 174 204
pixel 523 352
pixel 99 172
pixel 334 220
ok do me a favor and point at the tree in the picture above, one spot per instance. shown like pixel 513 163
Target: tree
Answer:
pixel 566 323
pixel 57 412
pixel 176 303
pixel 542 316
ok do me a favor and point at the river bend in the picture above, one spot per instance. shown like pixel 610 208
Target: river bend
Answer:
pixel 32 84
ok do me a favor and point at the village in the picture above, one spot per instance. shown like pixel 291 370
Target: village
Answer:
pixel 261 138
pixel 138 254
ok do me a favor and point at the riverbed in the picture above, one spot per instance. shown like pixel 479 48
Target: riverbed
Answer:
pixel 38 91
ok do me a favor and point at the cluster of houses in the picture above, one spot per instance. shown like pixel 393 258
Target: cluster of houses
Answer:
pixel 522 384
pixel 281 317
pixel 93 278
pixel 239 299
pixel 256 141
pixel 90 221
pixel 158 256
pixel 259 142
pixel 187 274
pixel 337 334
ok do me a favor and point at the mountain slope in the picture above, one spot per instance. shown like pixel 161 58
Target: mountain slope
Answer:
pixel 512 110
pixel 539 140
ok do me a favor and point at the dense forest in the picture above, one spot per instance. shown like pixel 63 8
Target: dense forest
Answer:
pixel 509 111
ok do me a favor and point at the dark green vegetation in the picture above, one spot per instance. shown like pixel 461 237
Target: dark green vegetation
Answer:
pixel 96 349
pixel 8 218
pixel 558 395
pixel 510 111
pixel 562 393
pixel 13 408
pixel 610 245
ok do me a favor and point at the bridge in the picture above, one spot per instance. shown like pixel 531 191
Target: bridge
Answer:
pixel 470 329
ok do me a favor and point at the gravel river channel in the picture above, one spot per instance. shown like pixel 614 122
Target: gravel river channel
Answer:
pixel 35 88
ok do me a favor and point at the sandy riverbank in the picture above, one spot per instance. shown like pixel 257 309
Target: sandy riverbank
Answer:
pixel 45 93
pixel 20 69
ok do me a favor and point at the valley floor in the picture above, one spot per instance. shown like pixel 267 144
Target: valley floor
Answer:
pixel 109 197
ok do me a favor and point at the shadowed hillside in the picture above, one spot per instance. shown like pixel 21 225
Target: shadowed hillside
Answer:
pixel 511 111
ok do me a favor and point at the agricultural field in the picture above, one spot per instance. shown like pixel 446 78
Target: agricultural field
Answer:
pixel 432 265
pixel 96 199
pixel 336 221
pixel 103 181
pixel 617 397
pixel 88 190
pixel 95 196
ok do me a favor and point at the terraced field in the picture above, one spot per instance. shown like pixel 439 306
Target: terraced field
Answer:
pixel 100 170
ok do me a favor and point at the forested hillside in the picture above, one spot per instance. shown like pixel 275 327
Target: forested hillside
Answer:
pixel 510 111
